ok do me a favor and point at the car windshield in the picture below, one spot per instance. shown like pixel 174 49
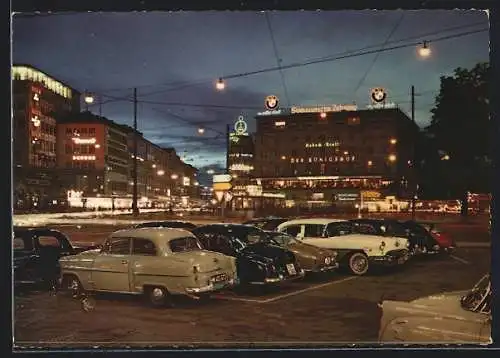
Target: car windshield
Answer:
pixel 479 298
pixel 283 239
pixel 184 244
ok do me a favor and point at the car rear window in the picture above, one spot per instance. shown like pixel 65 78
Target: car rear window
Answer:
pixel 48 241
pixel 184 244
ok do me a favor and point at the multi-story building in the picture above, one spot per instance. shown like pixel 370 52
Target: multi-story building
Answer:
pixel 182 175
pixel 322 156
pixel 92 155
pixel 241 156
pixel 37 99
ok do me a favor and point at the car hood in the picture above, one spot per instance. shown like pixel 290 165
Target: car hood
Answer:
pixel 266 253
pixel 309 250
pixel 440 305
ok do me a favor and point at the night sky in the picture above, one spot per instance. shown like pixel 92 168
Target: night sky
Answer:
pixel 176 57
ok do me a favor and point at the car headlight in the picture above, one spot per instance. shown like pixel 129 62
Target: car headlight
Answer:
pixel 327 261
pixel 382 246
pixel 407 244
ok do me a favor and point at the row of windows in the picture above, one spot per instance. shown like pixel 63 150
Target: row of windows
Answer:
pixel 25 73
pixel 145 247
pixel 80 131
pixel 79 149
pixel 43 145
pixel 80 164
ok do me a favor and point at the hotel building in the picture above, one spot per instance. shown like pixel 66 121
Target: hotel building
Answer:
pixel 329 155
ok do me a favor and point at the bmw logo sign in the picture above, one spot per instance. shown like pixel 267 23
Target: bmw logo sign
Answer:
pixel 272 103
pixel 378 95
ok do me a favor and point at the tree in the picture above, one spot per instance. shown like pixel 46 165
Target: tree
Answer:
pixel 460 131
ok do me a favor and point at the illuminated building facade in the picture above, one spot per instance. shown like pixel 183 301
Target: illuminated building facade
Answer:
pixel 92 155
pixel 326 156
pixel 240 157
pixel 37 99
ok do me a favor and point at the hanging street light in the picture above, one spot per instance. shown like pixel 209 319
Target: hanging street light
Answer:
pixel 220 85
pixel 424 51
pixel 201 130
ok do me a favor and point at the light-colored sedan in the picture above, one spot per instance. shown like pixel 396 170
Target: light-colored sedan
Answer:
pixel 453 317
pixel 356 252
pixel 157 262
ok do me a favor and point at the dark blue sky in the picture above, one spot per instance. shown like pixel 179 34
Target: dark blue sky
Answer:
pixel 110 53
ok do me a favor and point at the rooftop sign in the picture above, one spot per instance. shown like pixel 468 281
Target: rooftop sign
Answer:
pixel 328 108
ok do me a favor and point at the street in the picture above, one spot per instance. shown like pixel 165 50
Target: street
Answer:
pixel 319 311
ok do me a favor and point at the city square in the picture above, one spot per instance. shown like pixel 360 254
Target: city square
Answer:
pixel 253 188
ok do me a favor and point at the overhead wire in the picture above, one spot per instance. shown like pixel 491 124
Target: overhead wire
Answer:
pixel 419 36
pixel 372 63
pixel 278 59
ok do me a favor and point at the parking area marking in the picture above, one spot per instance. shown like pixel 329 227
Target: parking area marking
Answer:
pixel 272 299
pixel 460 259
pixel 279 297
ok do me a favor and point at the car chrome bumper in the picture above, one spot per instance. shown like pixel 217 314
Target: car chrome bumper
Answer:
pixel 391 259
pixel 323 268
pixel 212 287
pixel 279 279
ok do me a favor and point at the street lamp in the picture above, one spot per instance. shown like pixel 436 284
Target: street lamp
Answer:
pixel 201 130
pixel 424 51
pixel 323 115
pixel 393 141
pixel 89 99
pixel 160 172
pixel 220 85
pixel 445 157
pixel 392 157
pixel 174 176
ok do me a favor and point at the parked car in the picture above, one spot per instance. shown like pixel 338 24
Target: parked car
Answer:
pixel 385 228
pixel 36 252
pixel 452 317
pixel 157 262
pixel 356 252
pixel 173 224
pixel 258 262
pixel 267 224
pixel 446 243
pixel 425 240
pixel 311 258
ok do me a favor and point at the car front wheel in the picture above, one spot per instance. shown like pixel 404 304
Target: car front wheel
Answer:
pixel 72 284
pixel 158 296
pixel 358 263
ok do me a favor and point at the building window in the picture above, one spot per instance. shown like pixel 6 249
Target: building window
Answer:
pixel 69 131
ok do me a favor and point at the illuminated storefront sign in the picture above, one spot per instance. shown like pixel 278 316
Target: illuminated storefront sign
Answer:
pixel 329 108
pixel 320 145
pixel 270 113
pixel 221 178
pixel 272 103
pixel 78 140
pixel 240 127
pixel 254 190
pixel 84 157
pixel 186 181
pixel 241 167
pixel 279 123
pixel 371 195
pixel 382 105
pixel 346 196
pixel 331 159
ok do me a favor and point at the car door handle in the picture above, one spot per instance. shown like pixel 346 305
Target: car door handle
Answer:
pixel 124 262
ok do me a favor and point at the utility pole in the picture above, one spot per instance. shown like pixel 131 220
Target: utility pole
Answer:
pixel 414 161
pixel 135 208
pixel 228 145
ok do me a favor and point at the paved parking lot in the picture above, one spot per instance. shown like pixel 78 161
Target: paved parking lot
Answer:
pixel 320 311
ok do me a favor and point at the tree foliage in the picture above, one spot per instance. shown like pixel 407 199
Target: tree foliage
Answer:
pixel 459 130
